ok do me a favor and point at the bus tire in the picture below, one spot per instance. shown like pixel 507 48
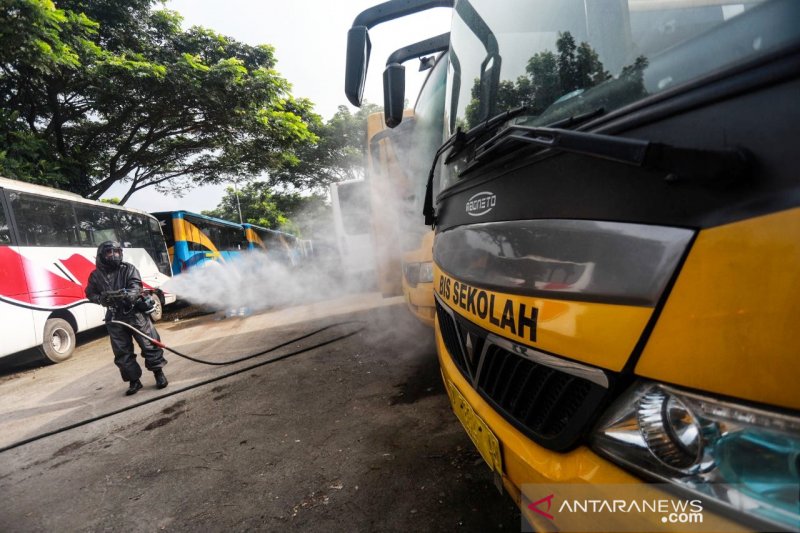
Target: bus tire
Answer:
pixel 158 312
pixel 59 340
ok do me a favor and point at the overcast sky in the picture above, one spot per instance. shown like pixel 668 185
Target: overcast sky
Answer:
pixel 309 37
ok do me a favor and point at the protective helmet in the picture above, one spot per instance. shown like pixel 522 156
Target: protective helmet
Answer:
pixel 109 254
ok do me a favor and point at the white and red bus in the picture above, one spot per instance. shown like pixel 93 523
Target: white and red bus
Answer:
pixel 48 243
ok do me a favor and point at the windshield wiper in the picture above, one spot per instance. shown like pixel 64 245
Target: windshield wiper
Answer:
pixel 461 142
pixel 678 163
pixel 458 141
pixel 575 120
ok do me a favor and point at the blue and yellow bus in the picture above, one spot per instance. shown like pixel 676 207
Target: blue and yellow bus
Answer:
pixel 280 246
pixel 192 239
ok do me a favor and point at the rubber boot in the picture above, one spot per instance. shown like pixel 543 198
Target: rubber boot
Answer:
pixel 134 388
pixel 161 379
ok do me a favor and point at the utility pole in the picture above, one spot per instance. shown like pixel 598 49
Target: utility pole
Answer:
pixel 238 206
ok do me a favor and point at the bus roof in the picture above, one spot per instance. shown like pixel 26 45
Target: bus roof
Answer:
pixel 262 228
pixel 24 186
pixel 198 215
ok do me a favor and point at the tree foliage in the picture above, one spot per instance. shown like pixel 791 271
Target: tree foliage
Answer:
pixel 549 76
pixel 337 156
pixel 93 92
pixel 261 204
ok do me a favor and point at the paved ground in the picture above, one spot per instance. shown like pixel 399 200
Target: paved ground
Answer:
pixel 355 435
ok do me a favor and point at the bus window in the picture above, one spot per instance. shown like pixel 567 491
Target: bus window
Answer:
pixel 165 222
pixel 44 221
pixel 194 243
pixel 5 233
pixel 96 225
pixel 159 246
pixel 133 230
pixel 228 239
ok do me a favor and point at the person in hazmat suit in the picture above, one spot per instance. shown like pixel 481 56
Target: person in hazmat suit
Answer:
pixel 117 286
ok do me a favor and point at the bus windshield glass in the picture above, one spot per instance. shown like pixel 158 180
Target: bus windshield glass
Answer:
pixel 567 58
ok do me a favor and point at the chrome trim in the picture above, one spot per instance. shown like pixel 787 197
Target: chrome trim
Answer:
pixel 589 373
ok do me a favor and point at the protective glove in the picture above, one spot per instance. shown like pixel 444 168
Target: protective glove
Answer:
pixel 131 296
pixel 105 299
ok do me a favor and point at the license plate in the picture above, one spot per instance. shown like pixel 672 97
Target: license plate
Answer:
pixel 478 431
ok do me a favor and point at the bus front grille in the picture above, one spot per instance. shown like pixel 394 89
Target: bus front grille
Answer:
pixel 447 327
pixel 551 406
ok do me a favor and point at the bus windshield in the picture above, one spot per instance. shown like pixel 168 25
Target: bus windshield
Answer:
pixel 566 58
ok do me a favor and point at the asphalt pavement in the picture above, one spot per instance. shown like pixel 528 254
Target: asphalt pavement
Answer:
pixel 341 424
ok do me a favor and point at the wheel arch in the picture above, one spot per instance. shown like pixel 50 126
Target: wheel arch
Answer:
pixel 65 314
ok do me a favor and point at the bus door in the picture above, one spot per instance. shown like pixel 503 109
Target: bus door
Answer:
pixel 15 312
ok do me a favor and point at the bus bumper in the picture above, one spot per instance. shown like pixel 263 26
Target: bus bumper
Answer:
pixel 524 462
pixel 420 301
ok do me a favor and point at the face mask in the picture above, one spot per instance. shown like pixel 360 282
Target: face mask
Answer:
pixel 112 258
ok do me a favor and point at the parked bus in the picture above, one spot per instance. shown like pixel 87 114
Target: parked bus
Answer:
pixel 351 225
pixel 397 174
pixel 48 244
pixel 193 239
pixel 388 185
pixel 617 242
pixel 280 246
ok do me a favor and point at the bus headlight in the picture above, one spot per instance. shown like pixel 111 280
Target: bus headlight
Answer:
pixel 745 458
pixel 411 273
pixel 418 273
pixel 426 272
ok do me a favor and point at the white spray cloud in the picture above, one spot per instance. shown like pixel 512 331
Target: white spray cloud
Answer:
pixel 256 281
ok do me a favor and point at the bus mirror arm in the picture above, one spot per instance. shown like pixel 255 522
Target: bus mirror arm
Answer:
pixel 394 76
pixel 359 45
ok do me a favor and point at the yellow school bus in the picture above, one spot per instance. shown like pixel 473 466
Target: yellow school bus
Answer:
pixel 397 169
pixel 616 252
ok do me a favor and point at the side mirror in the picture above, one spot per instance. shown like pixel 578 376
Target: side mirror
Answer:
pixel 394 76
pixel 394 92
pixel 358 43
pixel 355 74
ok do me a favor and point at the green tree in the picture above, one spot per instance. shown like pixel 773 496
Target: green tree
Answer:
pixel 338 154
pixel 263 206
pixel 567 70
pixel 545 82
pixel 548 76
pixel 553 75
pixel 95 92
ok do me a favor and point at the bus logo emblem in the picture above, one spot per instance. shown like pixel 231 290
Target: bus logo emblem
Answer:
pixel 481 203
